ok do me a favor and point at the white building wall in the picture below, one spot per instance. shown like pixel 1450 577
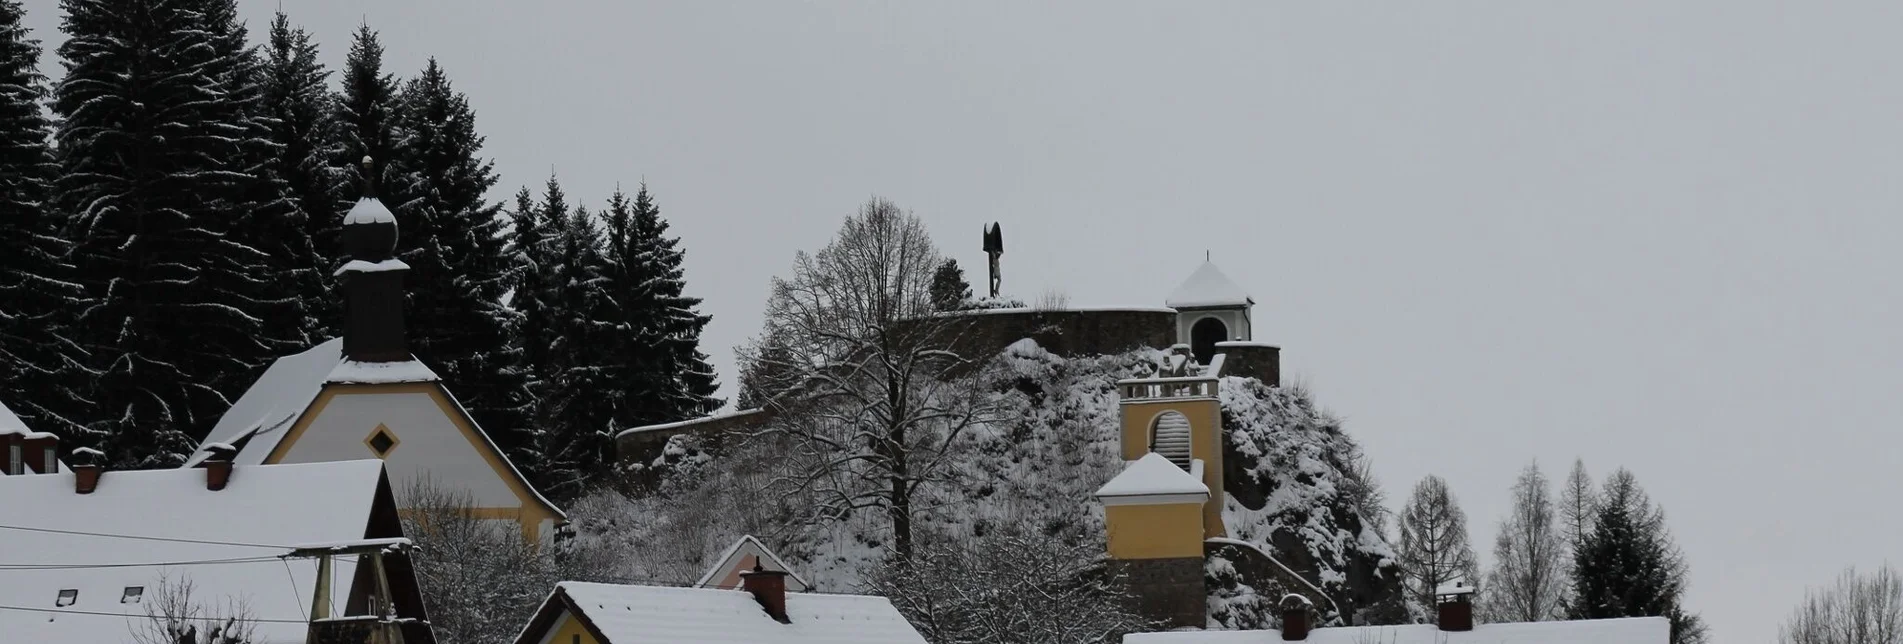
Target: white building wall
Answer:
pixel 1237 321
pixel 429 444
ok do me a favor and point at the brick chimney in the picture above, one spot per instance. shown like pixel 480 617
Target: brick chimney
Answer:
pixel 1296 610
pixel 87 464
pixel 769 588
pixel 1455 601
pixel 217 465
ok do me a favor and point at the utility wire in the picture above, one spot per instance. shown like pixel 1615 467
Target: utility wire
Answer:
pixel 69 611
pixel 198 562
pixel 147 538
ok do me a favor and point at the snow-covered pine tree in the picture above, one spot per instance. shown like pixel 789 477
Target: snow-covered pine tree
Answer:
pixel 949 288
pixel 365 115
pixel 152 145
pixel 586 357
pixel 1528 580
pixel 297 103
pixel 1434 545
pixel 1628 565
pixel 40 372
pixel 453 242
pixel 653 276
pixel 534 230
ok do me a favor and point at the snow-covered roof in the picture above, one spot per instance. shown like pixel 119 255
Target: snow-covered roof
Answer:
pixel 140 526
pixel 264 414
pixel 11 424
pixel 735 558
pixel 360 266
pixel 663 615
pixel 1208 287
pixel 1154 477
pixel 1454 588
pixel 369 210
pixel 1631 630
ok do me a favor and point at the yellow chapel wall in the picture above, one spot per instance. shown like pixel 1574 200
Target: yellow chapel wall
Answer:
pixel 1205 421
pixel 1162 531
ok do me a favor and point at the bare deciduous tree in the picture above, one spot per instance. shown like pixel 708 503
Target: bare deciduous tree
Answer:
pixel 1857 609
pixel 878 396
pixel 177 617
pixel 1011 590
pixel 1578 504
pixel 1434 545
pixel 1528 582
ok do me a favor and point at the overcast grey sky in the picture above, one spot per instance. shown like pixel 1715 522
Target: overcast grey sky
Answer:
pixel 1652 235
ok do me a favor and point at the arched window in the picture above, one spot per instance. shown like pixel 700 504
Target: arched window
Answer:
pixel 1204 336
pixel 1169 436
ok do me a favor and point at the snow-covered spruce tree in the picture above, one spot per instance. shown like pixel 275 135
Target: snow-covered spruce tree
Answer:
pixel 1628 565
pixel 41 373
pixel 533 230
pixel 297 104
pixel 1857 609
pixel 1528 581
pixel 949 289
pixel 666 378
pixel 366 114
pixel 153 143
pixel 452 240
pixel 1434 545
pixel 576 437
pixel 881 400
pixel 1300 489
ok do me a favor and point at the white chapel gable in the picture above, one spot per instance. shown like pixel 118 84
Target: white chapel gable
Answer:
pixel 419 440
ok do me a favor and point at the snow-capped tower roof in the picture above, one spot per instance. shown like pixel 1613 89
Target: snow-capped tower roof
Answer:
pixel 1208 288
pixel 369 231
pixel 372 281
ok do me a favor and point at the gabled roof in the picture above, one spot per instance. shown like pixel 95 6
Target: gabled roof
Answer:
pixel 1208 287
pixel 1632 630
pixel 618 614
pixel 1153 476
pixel 139 526
pixel 724 572
pixel 264 414
pixel 9 423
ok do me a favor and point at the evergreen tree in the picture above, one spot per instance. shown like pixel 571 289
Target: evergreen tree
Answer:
pixel 154 142
pixel 536 228
pixel 1628 566
pixel 949 289
pixel 683 383
pixel 1434 545
pixel 453 243
pixel 40 371
pixel 1528 581
pixel 1578 503
pixel 366 120
pixel 580 397
pixel 298 106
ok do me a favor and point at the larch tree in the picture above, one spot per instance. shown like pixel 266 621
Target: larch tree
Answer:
pixel 1857 609
pixel 1528 581
pixel 154 139
pixel 1578 504
pixel 1628 565
pixel 453 242
pixel 41 372
pixel 881 402
pixel 298 106
pixel 1434 546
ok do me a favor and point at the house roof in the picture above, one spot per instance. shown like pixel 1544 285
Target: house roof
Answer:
pixel 1153 476
pixel 138 527
pixel 264 414
pixel 728 561
pixel 1208 287
pixel 662 615
pixel 9 423
pixel 1632 630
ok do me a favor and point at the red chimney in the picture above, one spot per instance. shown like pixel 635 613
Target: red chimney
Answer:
pixel 769 588
pixel 86 466
pixel 217 465
pixel 1456 606
pixel 1295 612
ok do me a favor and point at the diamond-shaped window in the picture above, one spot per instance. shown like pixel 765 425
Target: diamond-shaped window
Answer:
pixel 381 441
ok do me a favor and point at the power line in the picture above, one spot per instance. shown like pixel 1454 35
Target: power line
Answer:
pixel 69 611
pixel 136 537
pixel 198 562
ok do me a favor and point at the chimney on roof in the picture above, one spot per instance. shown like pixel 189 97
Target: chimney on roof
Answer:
pixel 217 465
pixel 87 464
pixel 1295 616
pixel 372 281
pixel 768 588
pixel 1455 602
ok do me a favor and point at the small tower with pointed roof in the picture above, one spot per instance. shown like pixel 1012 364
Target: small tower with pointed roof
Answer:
pixel 1210 308
pixel 372 281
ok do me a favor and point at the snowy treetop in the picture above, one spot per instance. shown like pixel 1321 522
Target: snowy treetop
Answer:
pixel 713 616
pixel 1632 630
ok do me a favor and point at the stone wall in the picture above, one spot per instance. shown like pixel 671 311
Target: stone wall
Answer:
pixel 1169 590
pixel 1068 333
pixel 1252 359
pixel 641 445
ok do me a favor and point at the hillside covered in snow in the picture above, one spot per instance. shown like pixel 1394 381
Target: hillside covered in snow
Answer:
pixel 1297 489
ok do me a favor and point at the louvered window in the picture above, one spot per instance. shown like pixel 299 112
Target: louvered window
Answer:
pixel 1170 437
